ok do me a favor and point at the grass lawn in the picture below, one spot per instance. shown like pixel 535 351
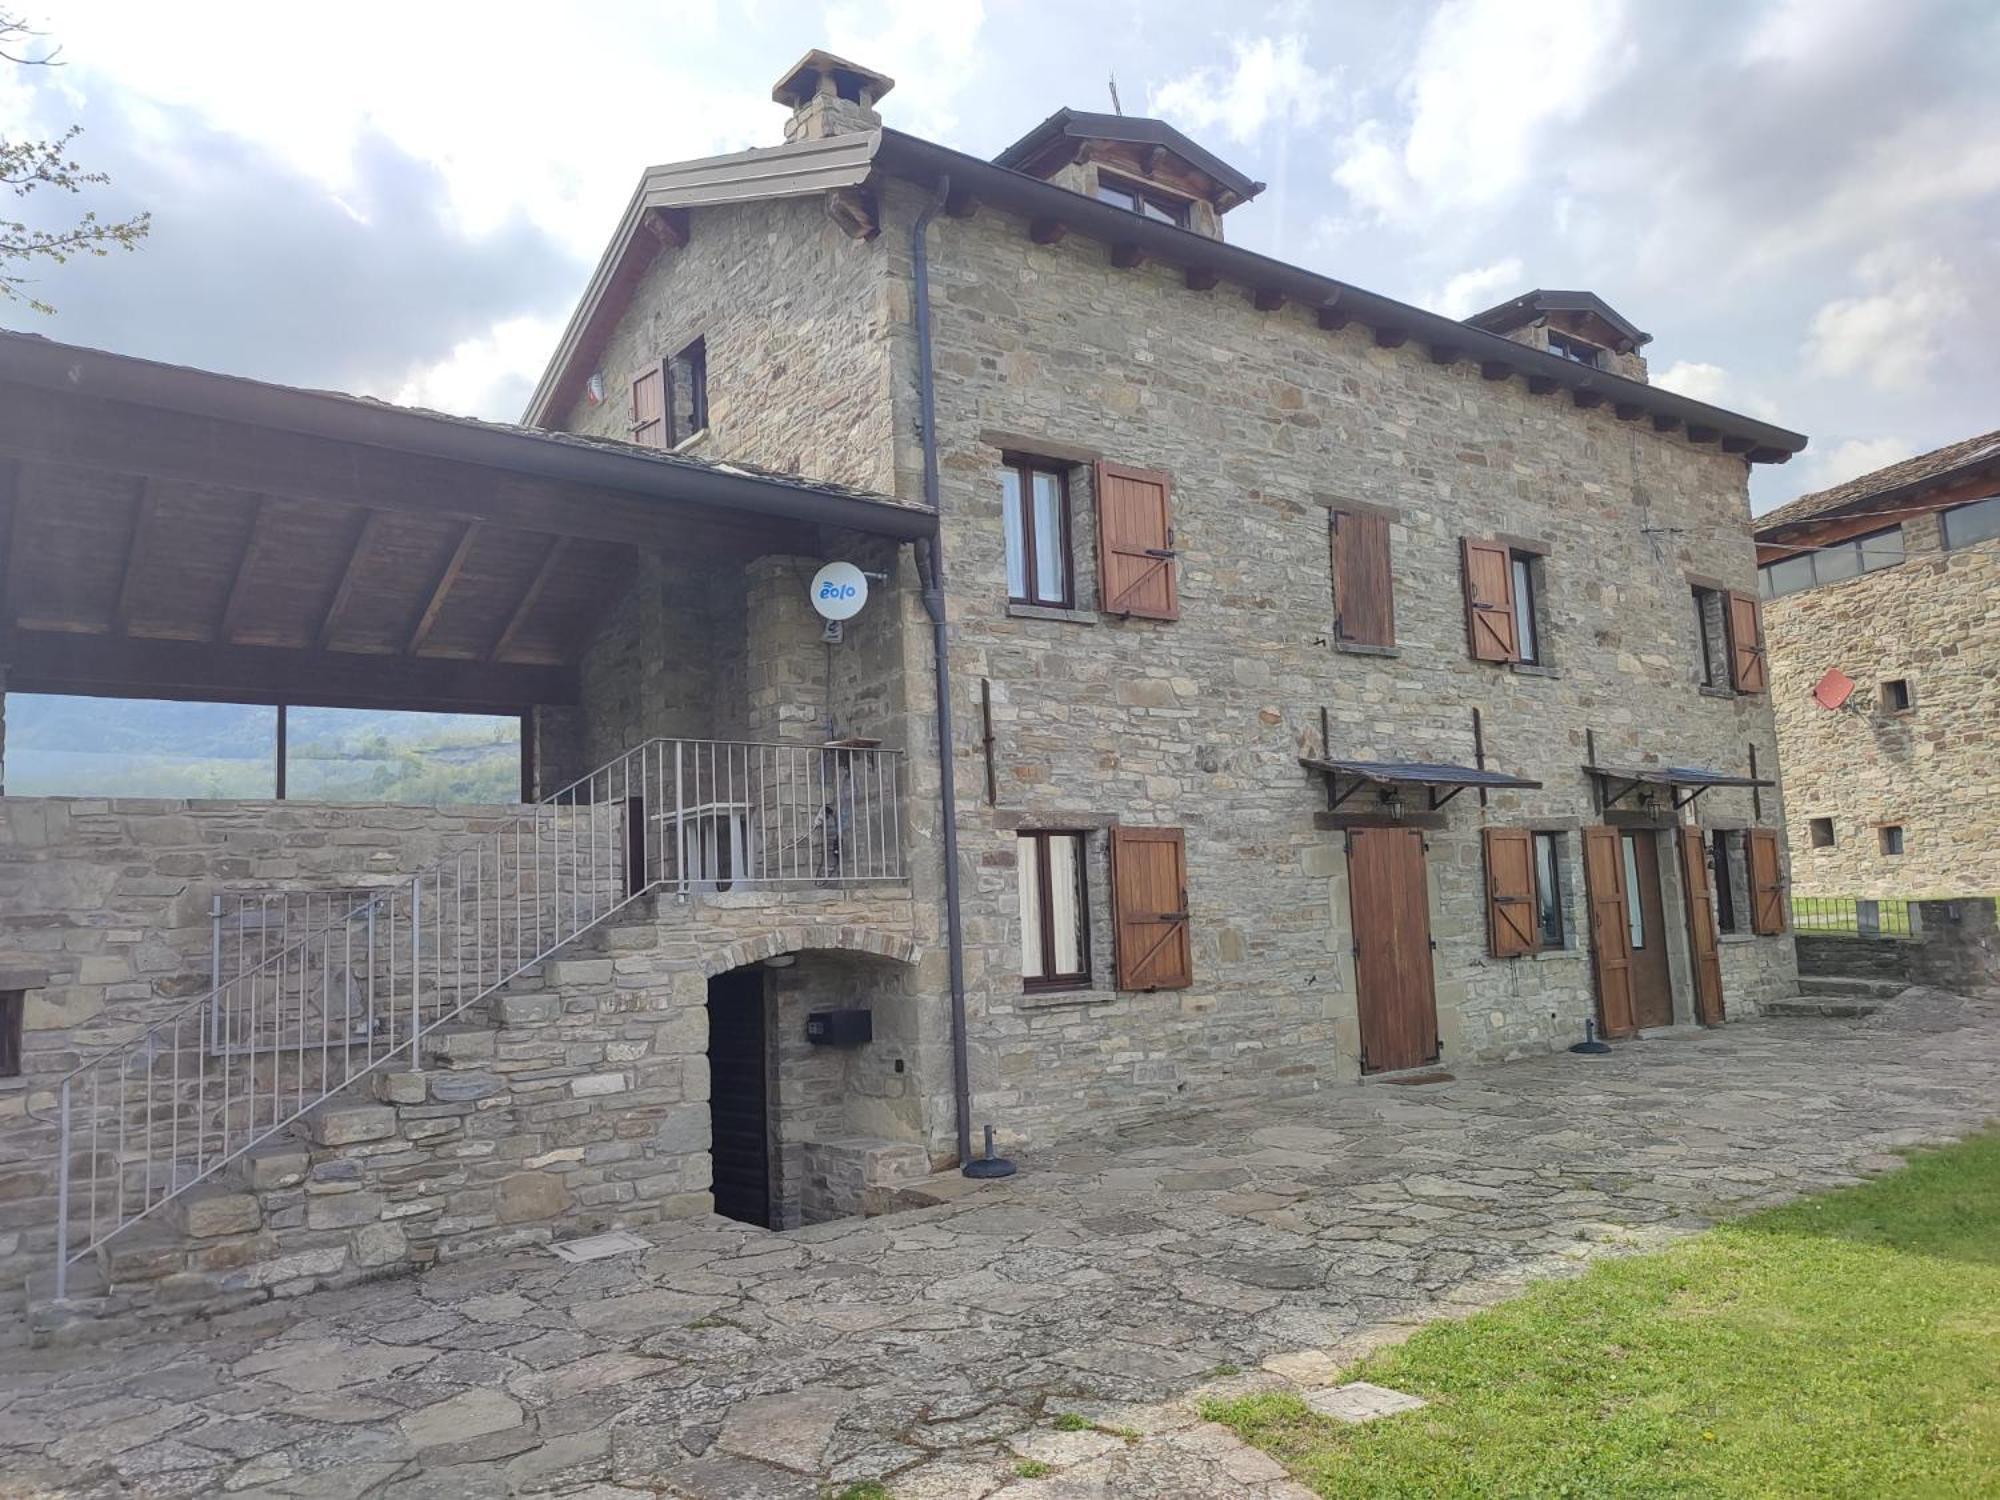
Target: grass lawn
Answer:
pixel 1843 1345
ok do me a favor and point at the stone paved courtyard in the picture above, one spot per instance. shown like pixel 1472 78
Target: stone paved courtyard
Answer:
pixel 933 1349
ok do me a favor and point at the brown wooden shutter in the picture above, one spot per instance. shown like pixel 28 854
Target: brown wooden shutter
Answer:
pixel 1610 929
pixel 1363 587
pixel 1136 565
pixel 649 407
pixel 1149 907
pixel 1511 927
pixel 1701 928
pixel 1767 887
pixel 1748 670
pixel 1489 602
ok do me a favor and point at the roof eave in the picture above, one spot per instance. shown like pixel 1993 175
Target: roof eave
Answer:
pixel 1909 489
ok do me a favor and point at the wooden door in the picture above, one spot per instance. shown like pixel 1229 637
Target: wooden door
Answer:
pixel 739 1125
pixel 1610 930
pixel 1652 979
pixel 1702 950
pixel 1389 896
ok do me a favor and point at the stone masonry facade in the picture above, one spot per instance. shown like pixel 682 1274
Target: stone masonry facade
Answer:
pixel 1933 622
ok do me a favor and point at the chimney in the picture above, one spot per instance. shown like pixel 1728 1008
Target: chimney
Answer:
pixel 830 96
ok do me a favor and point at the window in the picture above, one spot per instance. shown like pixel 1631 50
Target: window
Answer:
pixel 1548 889
pixel 1035 501
pixel 1891 836
pixel 1977 522
pixel 13 1010
pixel 1821 830
pixel 1055 926
pixel 1711 633
pixel 687 393
pixel 1635 909
pixel 1831 563
pixel 1896 697
pixel 1728 879
pixel 1135 199
pixel 1569 347
pixel 1528 643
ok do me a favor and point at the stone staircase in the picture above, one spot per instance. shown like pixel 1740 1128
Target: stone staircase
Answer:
pixel 1828 997
pixel 576 1095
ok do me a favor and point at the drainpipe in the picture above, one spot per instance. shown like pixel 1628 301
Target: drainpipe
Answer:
pixel 930 562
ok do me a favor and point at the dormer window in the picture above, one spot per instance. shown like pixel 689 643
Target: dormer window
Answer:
pixel 1573 348
pixel 1143 201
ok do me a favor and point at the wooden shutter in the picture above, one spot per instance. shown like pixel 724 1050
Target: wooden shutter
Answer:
pixel 1489 602
pixel 1149 908
pixel 1136 565
pixel 1701 928
pixel 1363 587
pixel 1610 929
pixel 1767 888
pixel 649 407
pixel 1748 671
pixel 1511 927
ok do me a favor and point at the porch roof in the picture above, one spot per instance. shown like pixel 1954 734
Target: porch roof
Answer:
pixel 1435 775
pixel 177 533
pixel 1684 783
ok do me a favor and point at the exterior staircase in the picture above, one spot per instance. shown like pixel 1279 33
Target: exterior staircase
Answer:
pixel 1828 997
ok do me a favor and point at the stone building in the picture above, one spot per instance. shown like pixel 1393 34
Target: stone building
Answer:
pixel 1262 685
pixel 1882 604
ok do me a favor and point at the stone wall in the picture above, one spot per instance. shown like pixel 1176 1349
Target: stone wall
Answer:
pixel 1266 424
pixel 1954 945
pixel 1934 621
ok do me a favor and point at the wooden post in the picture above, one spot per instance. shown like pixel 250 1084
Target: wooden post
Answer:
pixel 279 779
pixel 527 755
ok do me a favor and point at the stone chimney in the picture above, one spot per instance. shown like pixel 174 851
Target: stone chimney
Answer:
pixel 830 96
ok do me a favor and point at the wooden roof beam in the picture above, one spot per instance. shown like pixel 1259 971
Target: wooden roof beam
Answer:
pixel 1699 434
pixel 1127 256
pixel 1737 445
pixel 441 590
pixel 1047 231
pixel 1202 278
pixel 1333 318
pixel 959 204
pixel 1586 398
pixel 1391 338
pixel 517 617
pixel 1267 299
pixel 246 562
pixel 1541 385
pixel 1664 423
pixel 136 536
pixel 1495 369
pixel 343 589
pixel 1444 354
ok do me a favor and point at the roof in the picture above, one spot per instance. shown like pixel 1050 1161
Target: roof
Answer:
pixel 1083 125
pixel 1337 302
pixel 1416 773
pixel 645 472
pixel 801 80
pixel 1540 302
pixel 1966 459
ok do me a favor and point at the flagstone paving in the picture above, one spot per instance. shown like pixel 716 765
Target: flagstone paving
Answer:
pixel 1112 1281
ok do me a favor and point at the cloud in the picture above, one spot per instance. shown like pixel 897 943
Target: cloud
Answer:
pixel 930 47
pixel 1471 291
pixel 1268 80
pixel 1892 337
pixel 1490 76
pixel 490 375
pixel 1699 380
pixel 1850 459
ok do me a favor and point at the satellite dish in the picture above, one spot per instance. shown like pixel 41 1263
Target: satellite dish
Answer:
pixel 1833 690
pixel 838 591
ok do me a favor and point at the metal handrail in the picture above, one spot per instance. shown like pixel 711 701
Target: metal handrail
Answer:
pixel 669 815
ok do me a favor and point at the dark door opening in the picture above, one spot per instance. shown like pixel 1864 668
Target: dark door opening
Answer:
pixel 1389 895
pixel 739 1125
pixel 1652 980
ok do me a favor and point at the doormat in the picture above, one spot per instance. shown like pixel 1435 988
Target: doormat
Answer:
pixel 599 1246
pixel 1420 1078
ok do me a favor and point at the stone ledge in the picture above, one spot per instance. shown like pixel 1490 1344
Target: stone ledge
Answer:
pixel 1051 612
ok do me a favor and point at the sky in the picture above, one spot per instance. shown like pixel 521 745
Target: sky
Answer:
pixel 1800 199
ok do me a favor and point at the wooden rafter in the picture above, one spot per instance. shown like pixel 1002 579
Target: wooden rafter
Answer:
pixel 135 543
pixel 441 589
pixel 13 506
pixel 343 589
pixel 246 563
pixel 530 597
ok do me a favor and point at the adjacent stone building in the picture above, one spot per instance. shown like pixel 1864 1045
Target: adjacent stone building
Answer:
pixel 1882 604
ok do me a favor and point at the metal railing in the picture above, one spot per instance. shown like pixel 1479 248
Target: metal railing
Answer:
pixel 338 985
pixel 1852 916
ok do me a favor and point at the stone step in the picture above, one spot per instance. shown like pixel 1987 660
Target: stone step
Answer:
pixel 148 1251
pixel 1822 1007
pixel 1841 984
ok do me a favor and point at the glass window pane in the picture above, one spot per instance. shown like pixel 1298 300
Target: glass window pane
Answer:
pixel 1882 550
pixel 1843 560
pixel 1548 891
pixel 1524 609
pixel 63 746
pixel 1163 214
pixel 1065 905
pixel 1635 909
pixel 418 759
pixel 1017 545
pixel 1030 881
pixel 1977 522
pixel 1051 543
pixel 1791 574
pixel 1123 199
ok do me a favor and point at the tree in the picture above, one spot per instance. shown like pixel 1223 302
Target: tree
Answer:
pixel 30 166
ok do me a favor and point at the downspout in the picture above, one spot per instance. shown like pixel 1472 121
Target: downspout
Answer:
pixel 930 562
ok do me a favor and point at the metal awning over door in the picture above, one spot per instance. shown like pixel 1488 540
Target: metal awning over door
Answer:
pixel 1346 777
